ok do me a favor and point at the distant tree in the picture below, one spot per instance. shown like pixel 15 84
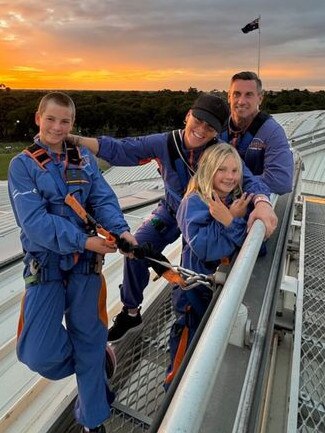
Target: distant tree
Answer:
pixel 192 90
pixel 3 87
pixel 123 113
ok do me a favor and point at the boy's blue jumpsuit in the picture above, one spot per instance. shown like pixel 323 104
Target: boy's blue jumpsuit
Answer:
pixel 161 227
pixel 205 242
pixel 61 276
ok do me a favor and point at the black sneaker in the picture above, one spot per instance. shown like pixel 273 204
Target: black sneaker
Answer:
pixel 124 325
pixel 99 429
pixel 111 363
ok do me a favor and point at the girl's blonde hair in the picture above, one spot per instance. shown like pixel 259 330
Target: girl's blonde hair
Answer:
pixel 212 158
pixel 59 98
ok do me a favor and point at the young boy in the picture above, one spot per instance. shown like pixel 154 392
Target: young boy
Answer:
pixel 62 261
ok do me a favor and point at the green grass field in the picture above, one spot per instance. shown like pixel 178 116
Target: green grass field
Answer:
pixel 4 164
pixel 7 152
pixel 7 155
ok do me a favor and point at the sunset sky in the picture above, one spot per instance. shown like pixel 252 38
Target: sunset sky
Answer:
pixel 159 44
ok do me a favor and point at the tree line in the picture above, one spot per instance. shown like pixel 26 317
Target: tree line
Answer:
pixel 123 113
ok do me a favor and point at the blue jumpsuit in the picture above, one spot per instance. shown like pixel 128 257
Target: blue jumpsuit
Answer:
pixel 205 242
pixel 161 228
pixel 61 278
pixel 266 152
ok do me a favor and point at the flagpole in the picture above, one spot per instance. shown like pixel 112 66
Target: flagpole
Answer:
pixel 253 25
pixel 259 46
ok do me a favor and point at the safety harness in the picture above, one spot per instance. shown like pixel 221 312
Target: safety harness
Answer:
pixel 245 138
pixel 68 180
pixel 73 174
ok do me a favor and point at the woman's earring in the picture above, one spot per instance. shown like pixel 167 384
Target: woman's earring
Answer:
pixel 184 121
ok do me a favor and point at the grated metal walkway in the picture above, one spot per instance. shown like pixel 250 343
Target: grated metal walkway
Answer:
pixel 142 369
pixel 142 361
pixel 311 408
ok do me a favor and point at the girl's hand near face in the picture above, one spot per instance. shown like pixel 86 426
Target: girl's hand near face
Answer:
pixel 238 208
pixel 219 210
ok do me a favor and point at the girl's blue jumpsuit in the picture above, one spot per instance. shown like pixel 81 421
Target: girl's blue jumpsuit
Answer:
pixel 61 277
pixel 205 242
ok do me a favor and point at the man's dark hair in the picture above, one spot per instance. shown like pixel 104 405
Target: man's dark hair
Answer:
pixel 248 76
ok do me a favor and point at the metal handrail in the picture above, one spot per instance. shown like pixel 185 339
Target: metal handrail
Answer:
pixel 186 414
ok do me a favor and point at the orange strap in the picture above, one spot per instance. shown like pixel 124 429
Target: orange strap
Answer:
pixel 180 353
pixel 174 277
pixel 225 261
pixel 102 302
pixel 21 320
pixel 71 201
pixel 39 155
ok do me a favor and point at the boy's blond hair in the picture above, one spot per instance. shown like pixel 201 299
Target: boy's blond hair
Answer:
pixel 212 158
pixel 59 98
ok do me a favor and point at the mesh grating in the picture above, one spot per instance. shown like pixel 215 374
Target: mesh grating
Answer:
pixel 141 371
pixel 311 410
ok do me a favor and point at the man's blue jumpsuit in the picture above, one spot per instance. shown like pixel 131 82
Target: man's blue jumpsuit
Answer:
pixel 161 228
pixel 61 276
pixel 205 242
pixel 265 150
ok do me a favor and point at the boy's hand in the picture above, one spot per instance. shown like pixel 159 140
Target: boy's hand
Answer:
pixel 99 245
pixel 238 208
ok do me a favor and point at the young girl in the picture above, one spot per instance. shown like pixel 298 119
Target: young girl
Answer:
pixel 211 219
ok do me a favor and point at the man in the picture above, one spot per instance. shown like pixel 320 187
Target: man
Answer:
pixel 258 138
pixel 177 154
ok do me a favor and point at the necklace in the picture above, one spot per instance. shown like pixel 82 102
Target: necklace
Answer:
pixel 236 133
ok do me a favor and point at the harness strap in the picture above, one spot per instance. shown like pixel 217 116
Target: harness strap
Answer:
pixel 73 154
pixel 258 122
pixel 245 139
pixel 173 153
pixel 67 179
pixel 177 158
pixel 38 154
pixel 180 353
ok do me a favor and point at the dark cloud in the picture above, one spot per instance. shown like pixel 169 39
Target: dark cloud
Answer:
pixel 203 34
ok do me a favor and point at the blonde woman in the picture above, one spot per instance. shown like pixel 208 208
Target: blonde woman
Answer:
pixel 212 220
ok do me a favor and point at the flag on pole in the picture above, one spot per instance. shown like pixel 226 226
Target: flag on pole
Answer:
pixel 251 26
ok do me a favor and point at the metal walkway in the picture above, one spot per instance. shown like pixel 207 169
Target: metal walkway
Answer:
pixel 311 406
